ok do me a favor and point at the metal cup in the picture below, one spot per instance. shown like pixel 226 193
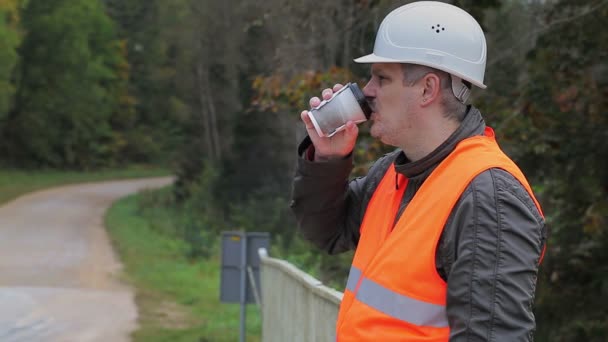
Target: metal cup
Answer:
pixel 347 104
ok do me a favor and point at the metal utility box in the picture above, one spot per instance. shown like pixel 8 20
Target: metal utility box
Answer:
pixel 240 253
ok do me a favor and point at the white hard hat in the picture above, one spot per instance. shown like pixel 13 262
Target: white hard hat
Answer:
pixel 434 34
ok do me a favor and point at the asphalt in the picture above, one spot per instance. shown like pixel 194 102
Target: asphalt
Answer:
pixel 60 280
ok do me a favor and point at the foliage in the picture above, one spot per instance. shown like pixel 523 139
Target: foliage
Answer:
pixel 9 41
pixel 153 126
pixel 67 75
pixel 566 129
pixel 177 297
pixel 264 211
pixel 202 219
pixel 275 93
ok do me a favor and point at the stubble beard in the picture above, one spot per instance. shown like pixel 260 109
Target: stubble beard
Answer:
pixel 378 131
pixel 375 127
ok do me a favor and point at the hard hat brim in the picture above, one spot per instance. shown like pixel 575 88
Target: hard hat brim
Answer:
pixel 373 58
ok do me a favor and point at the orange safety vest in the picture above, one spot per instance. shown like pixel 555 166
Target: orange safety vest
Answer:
pixel 394 292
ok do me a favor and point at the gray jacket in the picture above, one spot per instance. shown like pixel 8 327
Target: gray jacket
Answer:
pixel 489 249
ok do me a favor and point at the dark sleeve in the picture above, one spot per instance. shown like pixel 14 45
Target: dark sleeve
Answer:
pixel 493 243
pixel 327 206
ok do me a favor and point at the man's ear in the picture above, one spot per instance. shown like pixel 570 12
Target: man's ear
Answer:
pixel 431 88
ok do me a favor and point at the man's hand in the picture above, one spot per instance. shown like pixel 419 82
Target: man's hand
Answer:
pixel 340 144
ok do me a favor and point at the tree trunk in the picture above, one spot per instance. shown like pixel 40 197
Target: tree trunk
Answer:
pixel 203 113
pixel 348 23
pixel 215 136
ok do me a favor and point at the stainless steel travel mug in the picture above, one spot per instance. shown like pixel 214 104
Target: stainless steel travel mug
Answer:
pixel 347 104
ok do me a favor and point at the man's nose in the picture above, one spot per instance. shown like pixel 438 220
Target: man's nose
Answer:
pixel 368 90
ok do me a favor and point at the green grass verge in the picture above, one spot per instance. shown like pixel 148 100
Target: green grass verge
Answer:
pixel 178 299
pixel 14 183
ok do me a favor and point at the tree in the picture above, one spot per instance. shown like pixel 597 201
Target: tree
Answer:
pixel 9 41
pixel 563 129
pixel 68 74
pixel 153 87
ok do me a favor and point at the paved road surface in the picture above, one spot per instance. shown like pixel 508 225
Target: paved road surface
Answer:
pixel 59 278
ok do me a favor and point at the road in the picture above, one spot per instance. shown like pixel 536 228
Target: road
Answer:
pixel 59 277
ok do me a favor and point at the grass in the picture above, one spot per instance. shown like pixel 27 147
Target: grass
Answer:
pixel 14 183
pixel 178 299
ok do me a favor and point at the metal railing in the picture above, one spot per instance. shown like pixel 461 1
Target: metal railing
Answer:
pixel 296 307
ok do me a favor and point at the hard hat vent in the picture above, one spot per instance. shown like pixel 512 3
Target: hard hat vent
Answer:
pixel 438 28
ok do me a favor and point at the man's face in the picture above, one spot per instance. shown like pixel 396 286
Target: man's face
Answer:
pixel 392 104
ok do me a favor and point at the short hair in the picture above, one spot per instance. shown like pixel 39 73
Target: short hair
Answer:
pixel 453 108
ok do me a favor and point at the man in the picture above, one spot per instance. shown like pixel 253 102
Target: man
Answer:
pixel 447 232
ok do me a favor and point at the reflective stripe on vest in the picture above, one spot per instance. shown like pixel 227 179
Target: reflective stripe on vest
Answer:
pixel 396 305
pixel 353 278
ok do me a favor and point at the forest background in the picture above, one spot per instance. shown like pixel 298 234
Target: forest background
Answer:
pixel 213 89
